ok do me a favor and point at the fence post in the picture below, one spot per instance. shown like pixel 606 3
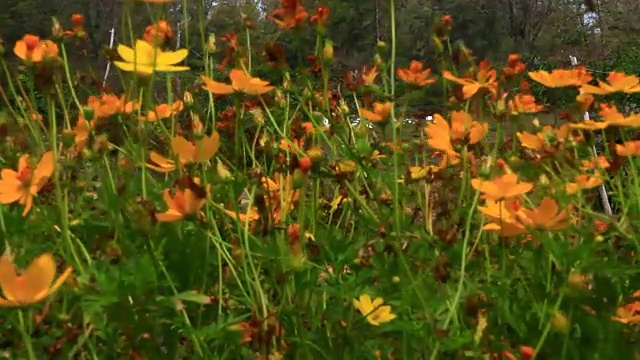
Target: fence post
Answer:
pixel 604 197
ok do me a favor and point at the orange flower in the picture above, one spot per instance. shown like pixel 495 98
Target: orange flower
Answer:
pixel 629 313
pixel 628 148
pixel 415 75
pixel 562 77
pixel 484 79
pixel 81 133
pixel 240 82
pixel 158 34
pixel 106 105
pixel 369 74
pixel 514 66
pixel 164 111
pixel 616 82
pixel 30 48
pixel 281 196
pixel 462 129
pixel 250 215
pixel 77 24
pixel 509 218
pixel 289 15
pixel 546 140
pixel 185 202
pixel 598 163
pixel 198 151
pixel 201 150
pixel 321 16
pixel 160 163
pixel 24 184
pixel 31 286
pixel 611 117
pixel 583 182
pixel 502 187
pixel 380 113
pixel 523 104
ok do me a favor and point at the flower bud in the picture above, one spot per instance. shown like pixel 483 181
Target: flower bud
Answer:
pixel 327 51
pixel 211 43
pixel 560 323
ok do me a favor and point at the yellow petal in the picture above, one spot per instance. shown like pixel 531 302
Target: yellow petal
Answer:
pixel 171 68
pixel 132 67
pixel 377 302
pixel 172 57
pixel 127 53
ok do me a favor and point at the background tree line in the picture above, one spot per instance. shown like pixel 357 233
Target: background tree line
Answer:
pixel 600 33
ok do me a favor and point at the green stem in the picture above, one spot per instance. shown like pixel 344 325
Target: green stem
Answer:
pixel 25 336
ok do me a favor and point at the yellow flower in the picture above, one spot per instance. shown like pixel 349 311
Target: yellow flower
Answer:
pixel 145 59
pixel 374 311
pixel 33 285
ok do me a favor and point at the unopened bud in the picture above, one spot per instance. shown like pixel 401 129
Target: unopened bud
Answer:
pixel 88 113
pixel 211 43
pixel 560 323
pixel 327 51
pixel 187 98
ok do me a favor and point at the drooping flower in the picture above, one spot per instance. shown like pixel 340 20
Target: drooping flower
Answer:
pixel 146 59
pixel 200 150
pixel 186 201
pixel 290 14
pixel 25 183
pixel 380 113
pixel 415 75
pixel 616 82
pixel 240 82
pixel 577 77
pixel 485 78
pixel 31 48
pixel 374 311
pixel 31 286
pixel 502 187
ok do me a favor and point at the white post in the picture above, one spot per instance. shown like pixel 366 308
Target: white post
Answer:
pixel 106 73
pixel 603 190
